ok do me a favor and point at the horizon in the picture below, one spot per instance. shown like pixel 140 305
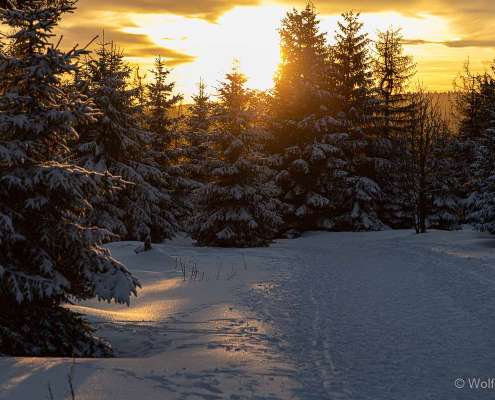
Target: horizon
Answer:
pixel 201 40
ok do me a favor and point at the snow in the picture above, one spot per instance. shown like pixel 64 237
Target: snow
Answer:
pixel 371 315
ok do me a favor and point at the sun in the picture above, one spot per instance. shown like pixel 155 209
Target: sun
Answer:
pixel 247 34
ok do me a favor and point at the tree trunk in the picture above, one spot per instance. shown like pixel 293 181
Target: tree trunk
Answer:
pixel 147 243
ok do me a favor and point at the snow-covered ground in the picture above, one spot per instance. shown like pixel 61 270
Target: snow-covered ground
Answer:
pixel 382 315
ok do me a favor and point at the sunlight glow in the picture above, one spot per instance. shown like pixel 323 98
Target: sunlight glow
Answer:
pixel 248 34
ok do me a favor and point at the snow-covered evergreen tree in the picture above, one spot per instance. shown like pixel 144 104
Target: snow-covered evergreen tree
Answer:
pixel 351 66
pixel 235 208
pixel 482 204
pixel 360 197
pixel 475 102
pixel 47 255
pixel 482 201
pixel 305 137
pixel 116 144
pixel 167 147
pixel 313 176
pixel 447 193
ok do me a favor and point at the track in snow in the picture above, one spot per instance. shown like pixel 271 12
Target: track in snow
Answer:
pixel 388 315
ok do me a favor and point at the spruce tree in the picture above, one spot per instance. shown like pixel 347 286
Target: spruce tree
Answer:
pixel 362 195
pixel 359 195
pixel 235 208
pixel 392 73
pixel 302 81
pixel 48 257
pixel 447 193
pixel 160 102
pixel 167 147
pixel 351 64
pixel 481 202
pixel 475 101
pixel 306 139
pixel 197 134
pixel 118 145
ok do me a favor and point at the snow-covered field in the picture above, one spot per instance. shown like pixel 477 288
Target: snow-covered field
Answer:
pixel 385 315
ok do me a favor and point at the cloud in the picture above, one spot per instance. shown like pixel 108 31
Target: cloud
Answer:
pixel 83 29
pixel 452 43
pixel 470 43
pixel 206 9
pixel 417 42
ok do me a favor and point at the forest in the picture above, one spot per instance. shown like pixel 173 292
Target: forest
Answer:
pixel 93 152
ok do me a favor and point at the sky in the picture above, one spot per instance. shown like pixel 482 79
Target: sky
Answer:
pixel 201 38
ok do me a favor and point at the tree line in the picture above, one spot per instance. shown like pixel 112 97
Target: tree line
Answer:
pixel 91 152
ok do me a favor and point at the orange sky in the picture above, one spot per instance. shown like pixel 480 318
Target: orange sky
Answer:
pixel 200 38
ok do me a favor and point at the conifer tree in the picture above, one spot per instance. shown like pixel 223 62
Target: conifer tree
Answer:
pixel 447 194
pixel 475 101
pixel 199 122
pixel 159 104
pixel 306 138
pixel 167 147
pixel 200 112
pixel 482 200
pixel 351 64
pixel 48 256
pixel 357 195
pixel 117 144
pixel 362 195
pixel 235 208
pixel 302 82
pixel 392 72
pixel 139 97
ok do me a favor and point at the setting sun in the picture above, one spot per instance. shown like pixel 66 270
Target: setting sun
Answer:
pixel 247 34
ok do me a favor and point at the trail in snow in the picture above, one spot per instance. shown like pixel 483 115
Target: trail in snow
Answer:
pixel 378 316
pixel 388 315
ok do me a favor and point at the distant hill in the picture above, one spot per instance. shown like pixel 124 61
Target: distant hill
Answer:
pixel 446 103
pixel 444 100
